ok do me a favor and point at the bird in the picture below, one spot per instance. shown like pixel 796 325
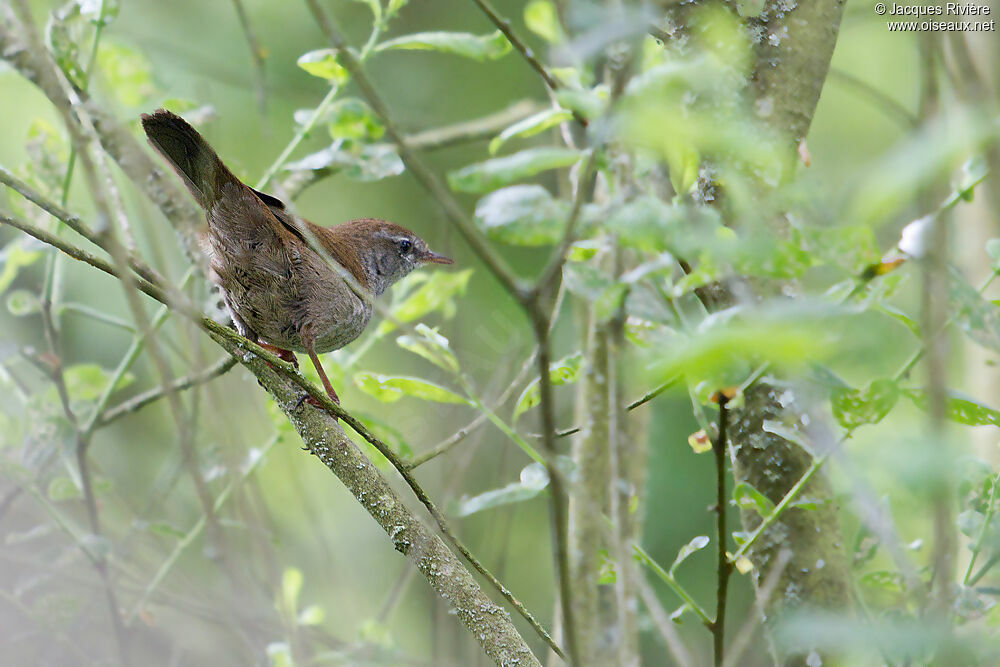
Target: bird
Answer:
pixel 280 292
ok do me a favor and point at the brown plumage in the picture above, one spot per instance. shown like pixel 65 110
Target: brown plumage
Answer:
pixel 279 291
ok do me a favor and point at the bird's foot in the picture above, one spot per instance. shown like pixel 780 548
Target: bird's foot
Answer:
pixel 315 402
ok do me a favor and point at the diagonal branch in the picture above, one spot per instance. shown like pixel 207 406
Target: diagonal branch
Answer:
pixel 503 25
pixel 255 358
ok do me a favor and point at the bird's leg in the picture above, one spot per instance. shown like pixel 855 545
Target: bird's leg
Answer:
pixel 322 376
pixel 309 345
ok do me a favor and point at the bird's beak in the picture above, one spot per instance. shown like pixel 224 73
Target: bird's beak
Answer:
pixel 435 258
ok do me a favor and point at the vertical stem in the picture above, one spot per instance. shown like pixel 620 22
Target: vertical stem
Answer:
pixel 557 488
pixel 589 501
pixel 724 568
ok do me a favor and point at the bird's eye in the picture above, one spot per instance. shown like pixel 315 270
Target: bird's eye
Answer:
pixel 405 246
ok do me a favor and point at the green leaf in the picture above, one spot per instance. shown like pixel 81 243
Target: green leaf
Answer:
pixel 352 118
pixel 695 545
pixel 525 215
pixel 390 388
pixel 22 302
pixel 14 257
pixel 581 251
pixel 63 39
pixel 563 371
pixel 324 64
pixel 856 407
pixel 852 247
pixel 531 126
pixel 432 346
pixel 312 615
pixel 498 172
pixel 63 488
pixel 542 19
pixel 974 171
pixel 747 497
pixel 644 223
pixel 477 47
pixel 533 480
pixel 721 349
pixel 85 382
pixel 291 587
pixel 593 285
pixel 976 316
pixel 436 292
pixel 588 103
pixel 958 408
pixel 884 580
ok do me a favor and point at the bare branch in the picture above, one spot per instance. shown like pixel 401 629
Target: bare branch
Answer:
pixel 140 401
pixel 503 25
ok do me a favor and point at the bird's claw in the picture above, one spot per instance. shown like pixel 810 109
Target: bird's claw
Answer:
pixel 313 401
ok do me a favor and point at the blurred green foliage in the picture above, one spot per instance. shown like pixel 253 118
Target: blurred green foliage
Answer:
pixel 276 562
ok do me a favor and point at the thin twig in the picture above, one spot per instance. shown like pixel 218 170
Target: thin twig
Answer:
pixel 140 401
pixel 724 568
pixel 196 529
pixel 90 502
pixel 504 26
pixel 674 585
pixel 882 101
pixel 663 623
pixel 256 54
pixel 220 332
pixel 642 400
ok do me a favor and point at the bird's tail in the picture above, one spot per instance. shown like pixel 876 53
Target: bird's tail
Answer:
pixel 189 154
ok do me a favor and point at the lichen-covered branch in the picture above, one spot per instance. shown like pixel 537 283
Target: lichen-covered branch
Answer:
pixel 489 623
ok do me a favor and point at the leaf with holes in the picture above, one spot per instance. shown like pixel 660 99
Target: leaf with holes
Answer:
pixel 856 407
pixel 977 317
pixel 958 408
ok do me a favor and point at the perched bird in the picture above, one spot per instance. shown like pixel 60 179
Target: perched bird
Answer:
pixel 280 292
